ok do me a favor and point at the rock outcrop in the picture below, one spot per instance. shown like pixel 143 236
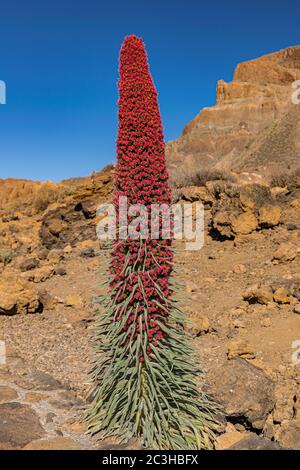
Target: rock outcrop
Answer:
pixel 253 129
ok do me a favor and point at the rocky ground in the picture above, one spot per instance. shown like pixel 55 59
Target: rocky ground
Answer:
pixel 242 292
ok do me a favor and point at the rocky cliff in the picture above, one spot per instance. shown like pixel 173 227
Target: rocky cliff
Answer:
pixel 253 130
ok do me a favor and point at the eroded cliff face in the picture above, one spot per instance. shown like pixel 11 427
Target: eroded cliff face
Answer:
pixel 254 126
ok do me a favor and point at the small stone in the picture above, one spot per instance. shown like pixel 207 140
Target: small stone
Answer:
pixel 239 269
pixel 285 252
pixel 240 348
pixel 191 287
pixel 68 249
pixel 18 296
pixel 29 264
pixel 81 316
pixel 224 441
pixel 297 309
pixel 42 254
pixel 197 324
pixel 7 394
pixel 42 274
pixel 60 271
pixel 74 301
pixel 55 256
pixel 281 296
pixel 50 418
pixel 238 323
pixel 291 227
pixel 266 322
pixel 87 253
pixel 239 427
pixel 34 397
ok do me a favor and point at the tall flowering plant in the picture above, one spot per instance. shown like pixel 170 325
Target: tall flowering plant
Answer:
pixel 146 380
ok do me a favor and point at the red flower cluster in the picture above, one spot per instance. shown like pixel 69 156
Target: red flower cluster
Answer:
pixel 140 268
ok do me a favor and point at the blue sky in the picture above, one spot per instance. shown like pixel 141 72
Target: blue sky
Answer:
pixel 59 59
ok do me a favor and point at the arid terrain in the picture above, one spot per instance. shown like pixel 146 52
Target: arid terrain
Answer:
pixel 241 290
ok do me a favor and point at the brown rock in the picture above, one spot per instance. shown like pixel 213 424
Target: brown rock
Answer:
pixel 255 442
pixel 281 296
pixel 34 397
pixel 245 223
pixel 289 435
pixel 43 381
pixel 19 424
pixel 269 216
pixel 197 324
pixel 68 249
pixel 239 269
pixel 245 392
pixel 284 402
pixel 7 394
pixel 55 256
pixel 295 203
pixel 28 264
pixel 197 193
pixel 42 274
pixel 222 223
pixel 18 296
pixel 231 136
pixel 258 294
pixel 54 443
pixel 74 301
pixel 224 441
pixel 297 309
pixel 238 347
pixel 285 252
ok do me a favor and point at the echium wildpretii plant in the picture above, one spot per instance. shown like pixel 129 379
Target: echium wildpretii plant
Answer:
pixel 146 380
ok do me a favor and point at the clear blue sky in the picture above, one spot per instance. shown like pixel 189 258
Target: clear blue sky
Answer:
pixel 59 59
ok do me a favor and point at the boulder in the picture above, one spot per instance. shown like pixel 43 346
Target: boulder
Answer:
pixel 285 252
pixel 258 294
pixel 245 392
pixel 18 296
pixel 244 223
pixel 269 216
pixel 197 193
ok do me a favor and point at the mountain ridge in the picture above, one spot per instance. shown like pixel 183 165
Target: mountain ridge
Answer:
pixel 222 136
